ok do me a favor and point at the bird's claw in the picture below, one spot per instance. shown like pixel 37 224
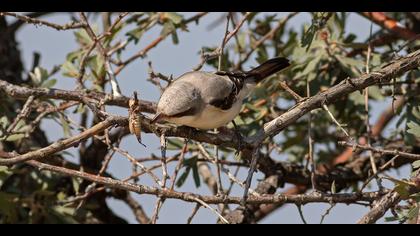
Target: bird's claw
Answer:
pixel 241 144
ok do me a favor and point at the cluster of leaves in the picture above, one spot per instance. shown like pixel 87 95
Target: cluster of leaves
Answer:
pixel 409 190
pixel 29 196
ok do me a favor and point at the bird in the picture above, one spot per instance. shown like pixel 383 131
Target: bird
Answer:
pixel 209 100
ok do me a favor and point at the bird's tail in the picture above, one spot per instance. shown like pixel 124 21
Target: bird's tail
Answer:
pixel 268 68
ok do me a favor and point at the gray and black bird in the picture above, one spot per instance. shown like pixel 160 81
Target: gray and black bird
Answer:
pixel 206 100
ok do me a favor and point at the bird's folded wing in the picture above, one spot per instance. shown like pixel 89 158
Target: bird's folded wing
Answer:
pixel 221 92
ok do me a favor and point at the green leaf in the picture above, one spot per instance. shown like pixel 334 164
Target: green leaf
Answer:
pixel 375 93
pixel 61 196
pixel 69 69
pixel 81 108
pixel 168 27
pixel 64 210
pixel 135 34
pixel 8 209
pixel 15 137
pixel 175 39
pixel 333 188
pixel 76 185
pixel 65 125
pixel 174 144
pixel 72 56
pixel 174 17
pixel 83 38
pixel 49 83
pixel 183 177
pixel 355 45
pixel 4 122
pixel 391 219
pixel 403 190
pixel 350 61
pixel 311 66
pixel 97 65
pixel 308 37
pixel 39 75
pixel 416 164
pixel 413 213
pixel 413 128
pixel 416 197
pixel 196 176
pixel 349 65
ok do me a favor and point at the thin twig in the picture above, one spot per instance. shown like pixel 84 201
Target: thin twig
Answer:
pixel 252 168
pixel 302 217
pixel 30 20
pixel 204 204
pixel 156 211
pixel 325 107
pixel 116 91
pixel 296 96
pixel 82 67
pixel 163 160
pixel 214 159
pixel 350 198
pixel 154 43
pixel 382 168
pixel 281 23
pixel 219 50
pixel 327 212
pixel 24 113
pixel 179 165
pixel 367 123
pixel 381 151
pixel 137 209
pixel 228 173
pixel 310 142
pixel 222 47
pixel 193 213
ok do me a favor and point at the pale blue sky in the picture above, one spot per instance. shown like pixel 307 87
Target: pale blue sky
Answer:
pixel 171 59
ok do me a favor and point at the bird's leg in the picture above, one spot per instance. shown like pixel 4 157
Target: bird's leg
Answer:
pixel 239 137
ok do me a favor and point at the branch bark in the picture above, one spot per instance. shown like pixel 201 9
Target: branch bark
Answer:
pixel 349 198
pixel 380 208
pixel 390 24
pixel 64 144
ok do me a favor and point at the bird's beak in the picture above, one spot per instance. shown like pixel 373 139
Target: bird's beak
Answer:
pixel 156 118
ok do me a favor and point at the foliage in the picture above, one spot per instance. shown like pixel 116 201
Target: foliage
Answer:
pixel 323 54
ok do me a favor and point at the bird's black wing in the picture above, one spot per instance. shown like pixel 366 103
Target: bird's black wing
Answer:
pixel 227 102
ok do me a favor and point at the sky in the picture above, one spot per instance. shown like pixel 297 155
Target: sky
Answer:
pixel 168 58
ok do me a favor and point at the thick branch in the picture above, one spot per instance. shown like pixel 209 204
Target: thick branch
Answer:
pixel 348 198
pixel 392 70
pixel 20 92
pixel 30 20
pixel 63 144
pixel 380 208
pixel 390 24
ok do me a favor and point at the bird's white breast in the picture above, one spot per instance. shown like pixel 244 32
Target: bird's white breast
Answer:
pixel 212 117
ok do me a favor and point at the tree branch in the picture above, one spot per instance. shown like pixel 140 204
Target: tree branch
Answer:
pixel 392 70
pixel 390 24
pixel 64 144
pixel 349 198
pixel 380 208
pixel 30 20
pixel 21 92
pixel 381 151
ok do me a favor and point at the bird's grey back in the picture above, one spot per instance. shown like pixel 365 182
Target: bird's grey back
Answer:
pixel 210 85
pixel 192 89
